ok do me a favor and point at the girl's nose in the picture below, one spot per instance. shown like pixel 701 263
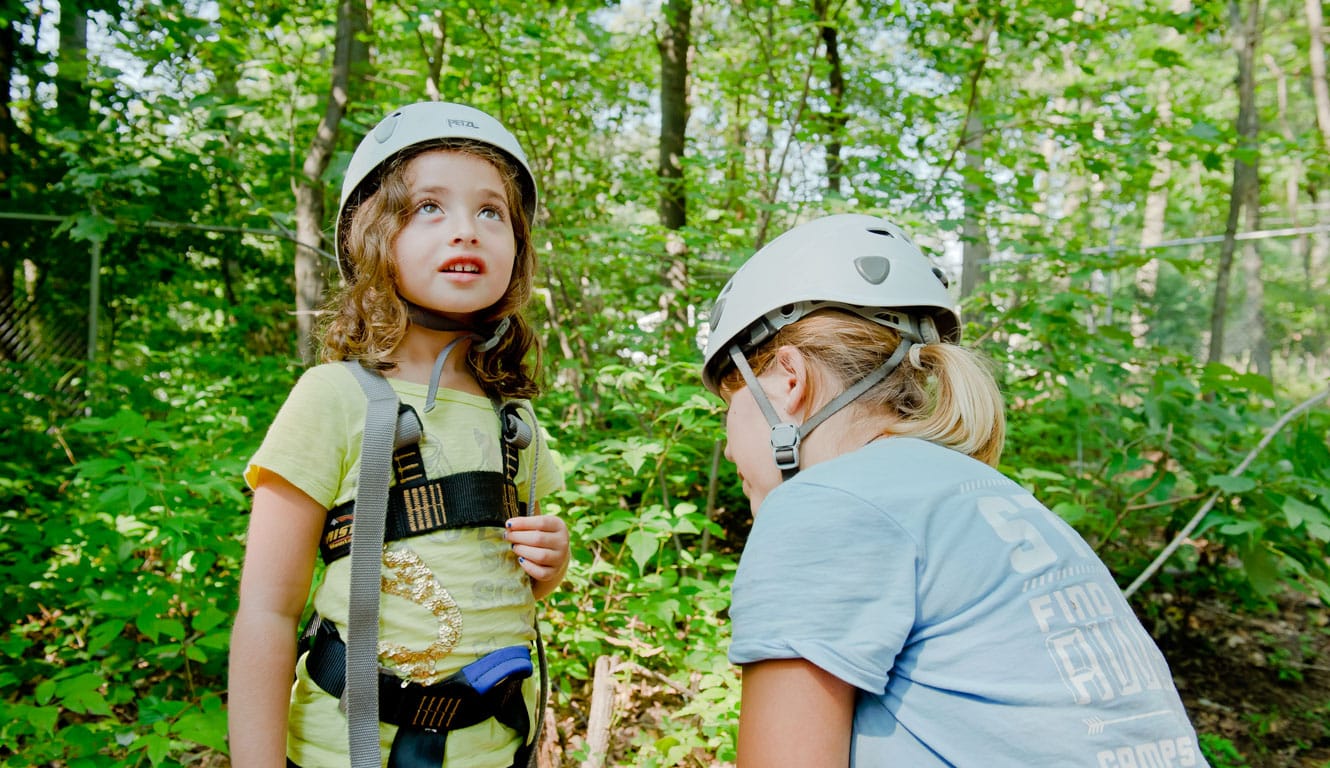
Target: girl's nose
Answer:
pixel 464 230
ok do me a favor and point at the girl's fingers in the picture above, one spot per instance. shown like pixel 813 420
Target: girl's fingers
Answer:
pixel 546 535
pixel 537 523
pixel 537 555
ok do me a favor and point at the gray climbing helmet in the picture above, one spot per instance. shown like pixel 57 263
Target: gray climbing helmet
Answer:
pixel 419 123
pixel 858 263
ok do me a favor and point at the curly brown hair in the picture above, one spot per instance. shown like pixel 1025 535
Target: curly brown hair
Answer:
pixel 366 319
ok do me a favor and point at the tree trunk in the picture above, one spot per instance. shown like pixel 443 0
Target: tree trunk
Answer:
pixel 8 130
pixel 350 55
pixel 1316 57
pixel 1246 188
pixel 601 715
pixel 1297 174
pixel 973 235
pixel 72 102
pixel 673 206
pixel 433 48
pixel 1152 226
pixel 836 118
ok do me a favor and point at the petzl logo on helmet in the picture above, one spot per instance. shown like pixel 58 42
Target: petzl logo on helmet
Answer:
pixel 463 123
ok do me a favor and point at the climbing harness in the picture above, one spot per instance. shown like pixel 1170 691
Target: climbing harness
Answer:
pixel 488 688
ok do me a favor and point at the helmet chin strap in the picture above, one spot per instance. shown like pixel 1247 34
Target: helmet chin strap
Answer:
pixel 432 320
pixel 785 437
pixel 437 322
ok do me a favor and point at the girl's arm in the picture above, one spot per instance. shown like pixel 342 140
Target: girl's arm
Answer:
pixel 284 530
pixel 541 545
pixel 793 713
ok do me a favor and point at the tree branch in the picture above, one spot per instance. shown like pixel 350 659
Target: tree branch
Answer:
pixel 1209 503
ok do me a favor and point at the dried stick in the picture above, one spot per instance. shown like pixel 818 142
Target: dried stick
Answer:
pixel 601 715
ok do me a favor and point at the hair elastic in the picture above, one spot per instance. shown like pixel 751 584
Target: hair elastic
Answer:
pixel 914 354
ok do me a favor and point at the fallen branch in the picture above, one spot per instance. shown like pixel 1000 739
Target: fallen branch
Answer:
pixel 1214 497
pixel 601 714
pixel 658 677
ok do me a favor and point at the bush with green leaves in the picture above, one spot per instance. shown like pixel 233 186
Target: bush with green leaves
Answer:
pixel 126 567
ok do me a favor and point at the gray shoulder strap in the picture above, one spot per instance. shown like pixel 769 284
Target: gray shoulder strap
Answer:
pixel 362 658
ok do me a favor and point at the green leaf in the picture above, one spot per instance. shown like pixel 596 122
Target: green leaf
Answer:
pixel 103 633
pixel 1299 513
pixel 91 228
pixel 638 452
pixel 1240 528
pixel 157 747
pixel 1204 131
pixel 1261 569
pixel 1166 57
pixel 82 694
pixel 610 528
pixel 643 547
pixel 1231 484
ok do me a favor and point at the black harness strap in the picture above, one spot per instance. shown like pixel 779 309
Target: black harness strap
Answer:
pixel 418 505
pixel 463 500
pixel 424 714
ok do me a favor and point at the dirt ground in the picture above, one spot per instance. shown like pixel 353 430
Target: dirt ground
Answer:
pixel 1261 682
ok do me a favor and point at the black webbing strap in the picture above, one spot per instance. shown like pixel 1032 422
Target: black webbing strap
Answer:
pixel 418 505
pixel 461 500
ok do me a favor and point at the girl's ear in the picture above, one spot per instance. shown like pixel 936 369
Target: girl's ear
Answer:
pixel 793 381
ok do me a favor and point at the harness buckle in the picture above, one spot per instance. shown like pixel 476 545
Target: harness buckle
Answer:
pixel 785 446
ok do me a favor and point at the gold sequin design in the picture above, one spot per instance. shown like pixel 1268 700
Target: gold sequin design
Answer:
pixel 413 580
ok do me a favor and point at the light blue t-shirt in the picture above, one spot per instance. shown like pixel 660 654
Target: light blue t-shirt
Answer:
pixel 979 628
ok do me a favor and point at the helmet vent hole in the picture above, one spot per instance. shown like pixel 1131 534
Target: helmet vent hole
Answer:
pixel 787 310
pixel 942 277
pixel 881 231
pixel 716 311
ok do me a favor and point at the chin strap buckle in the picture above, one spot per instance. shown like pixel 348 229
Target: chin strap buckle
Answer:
pixel 785 446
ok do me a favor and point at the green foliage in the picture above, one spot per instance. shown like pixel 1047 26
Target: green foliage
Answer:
pixel 125 582
pixel 644 565
pixel 1157 434
pixel 122 508
pixel 1220 752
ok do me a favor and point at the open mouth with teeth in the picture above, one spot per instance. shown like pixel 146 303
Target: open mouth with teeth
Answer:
pixel 462 267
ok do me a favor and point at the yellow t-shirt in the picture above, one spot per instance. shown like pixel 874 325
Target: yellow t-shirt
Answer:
pixel 449 597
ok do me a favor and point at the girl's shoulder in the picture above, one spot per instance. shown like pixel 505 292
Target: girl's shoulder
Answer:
pixel 329 383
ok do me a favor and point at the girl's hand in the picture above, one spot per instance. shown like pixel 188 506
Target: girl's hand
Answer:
pixel 541 545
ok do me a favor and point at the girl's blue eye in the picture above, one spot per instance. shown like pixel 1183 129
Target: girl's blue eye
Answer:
pixel 490 212
pixel 429 209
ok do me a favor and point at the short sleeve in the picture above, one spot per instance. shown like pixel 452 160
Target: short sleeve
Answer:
pixel 307 442
pixel 826 577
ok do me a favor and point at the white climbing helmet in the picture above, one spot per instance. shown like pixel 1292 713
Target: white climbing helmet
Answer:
pixel 863 264
pixel 416 124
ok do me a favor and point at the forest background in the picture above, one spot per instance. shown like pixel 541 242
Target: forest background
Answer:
pixel 1130 198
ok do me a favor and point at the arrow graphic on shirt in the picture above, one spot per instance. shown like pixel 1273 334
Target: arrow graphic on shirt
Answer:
pixel 1098 724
